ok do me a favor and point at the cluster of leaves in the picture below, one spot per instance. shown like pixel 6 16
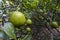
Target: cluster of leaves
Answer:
pixel 47 11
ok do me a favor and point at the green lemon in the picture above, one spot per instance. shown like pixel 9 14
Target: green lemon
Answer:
pixel 17 18
pixel 29 21
pixel 54 24
pixel 28 29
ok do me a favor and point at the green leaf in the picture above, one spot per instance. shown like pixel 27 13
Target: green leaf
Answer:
pixel 3 35
pixel 9 30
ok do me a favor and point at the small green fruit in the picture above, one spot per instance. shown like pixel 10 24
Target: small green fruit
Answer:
pixel 28 29
pixel 29 21
pixel 54 24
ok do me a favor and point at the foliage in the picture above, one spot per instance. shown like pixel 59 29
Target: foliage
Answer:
pixel 41 12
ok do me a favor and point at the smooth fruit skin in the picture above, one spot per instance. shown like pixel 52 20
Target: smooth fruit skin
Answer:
pixel 29 21
pixel 28 29
pixel 54 24
pixel 17 18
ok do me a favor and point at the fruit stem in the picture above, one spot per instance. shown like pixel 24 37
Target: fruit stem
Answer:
pixel 26 36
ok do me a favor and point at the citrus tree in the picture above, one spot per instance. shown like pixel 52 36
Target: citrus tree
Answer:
pixel 18 16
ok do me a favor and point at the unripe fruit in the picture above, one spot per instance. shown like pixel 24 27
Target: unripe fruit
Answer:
pixel 17 18
pixel 29 21
pixel 28 29
pixel 54 25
